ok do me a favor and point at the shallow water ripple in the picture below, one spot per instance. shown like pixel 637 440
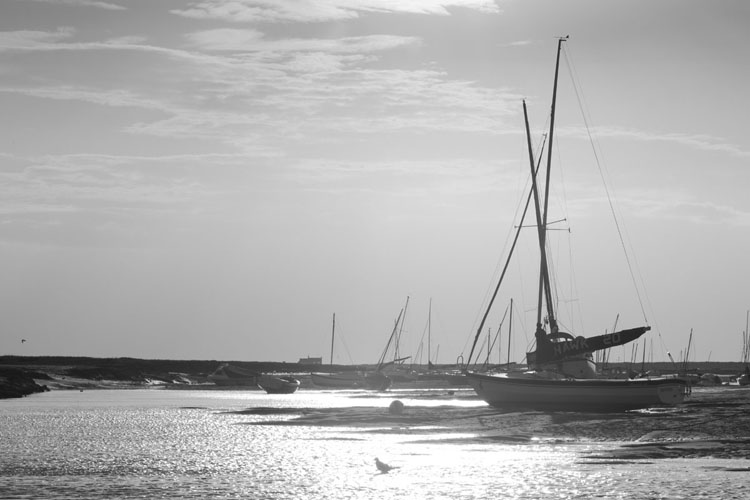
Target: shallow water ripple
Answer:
pixel 322 445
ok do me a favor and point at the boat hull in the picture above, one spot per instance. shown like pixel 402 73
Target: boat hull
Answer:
pixel 338 380
pixel 233 376
pixel 278 385
pixel 528 391
pixel 351 380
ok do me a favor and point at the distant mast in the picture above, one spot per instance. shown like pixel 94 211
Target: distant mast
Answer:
pixel 510 330
pixel 429 333
pixel 333 335
pixel 396 352
pixel 746 339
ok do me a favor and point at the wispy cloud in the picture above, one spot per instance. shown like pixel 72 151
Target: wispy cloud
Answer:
pixel 70 183
pixel 676 206
pixel 307 11
pixel 290 90
pixel 29 39
pixel 113 98
pixel 696 141
pixel 249 40
pixel 84 3
pixel 257 93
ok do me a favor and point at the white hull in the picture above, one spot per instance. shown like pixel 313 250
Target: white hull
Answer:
pixel 529 391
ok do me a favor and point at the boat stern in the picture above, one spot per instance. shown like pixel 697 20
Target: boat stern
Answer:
pixel 673 393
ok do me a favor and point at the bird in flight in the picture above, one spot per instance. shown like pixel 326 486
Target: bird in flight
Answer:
pixel 382 466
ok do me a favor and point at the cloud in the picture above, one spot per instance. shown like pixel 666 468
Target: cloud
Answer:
pixel 248 40
pixel 306 11
pixel 682 207
pixel 267 97
pixel 696 141
pixel 59 40
pixel 74 183
pixel 113 98
pixel 226 39
pixel 29 40
pixel 84 3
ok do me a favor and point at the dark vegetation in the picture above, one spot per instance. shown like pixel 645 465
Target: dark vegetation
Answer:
pixel 23 375
pixel 17 382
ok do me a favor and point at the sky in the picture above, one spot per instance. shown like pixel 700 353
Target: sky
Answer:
pixel 215 179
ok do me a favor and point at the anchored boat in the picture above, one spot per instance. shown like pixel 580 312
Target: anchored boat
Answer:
pixel 562 374
pixel 278 384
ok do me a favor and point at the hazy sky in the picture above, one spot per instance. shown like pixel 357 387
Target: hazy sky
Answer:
pixel 214 179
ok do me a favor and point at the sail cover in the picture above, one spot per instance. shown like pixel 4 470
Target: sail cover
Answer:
pixel 554 349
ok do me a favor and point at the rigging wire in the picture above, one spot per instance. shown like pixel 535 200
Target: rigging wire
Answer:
pixel 510 240
pixel 501 259
pixel 601 169
pixel 507 261
pixel 340 338
pixel 496 338
pixel 633 267
pixel 572 281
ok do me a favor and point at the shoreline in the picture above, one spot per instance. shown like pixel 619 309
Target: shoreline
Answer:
pixel 24 375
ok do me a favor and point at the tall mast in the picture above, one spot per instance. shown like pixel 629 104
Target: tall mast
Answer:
pixel 396 353
pixel 746 346
pixel 543 229
pixel 687 352
pixel 429 332
pixel 510 330
pixel 333 334
pixel 539 221
pixel 507 261
pixel 489 343
pixel 394 333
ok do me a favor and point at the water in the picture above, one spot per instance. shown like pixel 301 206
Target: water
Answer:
pixel 150 444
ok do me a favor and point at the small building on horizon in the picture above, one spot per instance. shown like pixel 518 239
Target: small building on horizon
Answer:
pixel 310 361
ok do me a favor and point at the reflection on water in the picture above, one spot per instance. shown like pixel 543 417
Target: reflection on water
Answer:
pixel 322 444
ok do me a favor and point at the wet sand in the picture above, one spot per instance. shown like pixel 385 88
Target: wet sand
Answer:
pixel 715 423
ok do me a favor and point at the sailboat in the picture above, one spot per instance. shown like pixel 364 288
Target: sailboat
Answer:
pixel 395 369
pixel 355 379
pixel 744 378
pixel 562 374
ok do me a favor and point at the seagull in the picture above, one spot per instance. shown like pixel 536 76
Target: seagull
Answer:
pixel 382 467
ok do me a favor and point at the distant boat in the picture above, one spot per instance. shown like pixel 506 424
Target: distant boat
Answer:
pixel 355 379
pixel 338 380
pixel 562 372
pixel 278 384
pixel 744 378
pixel 228 375
pixel 375 381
